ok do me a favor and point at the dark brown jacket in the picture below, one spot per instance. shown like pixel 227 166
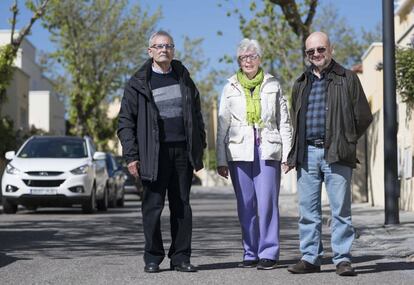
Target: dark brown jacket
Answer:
pixel 348 115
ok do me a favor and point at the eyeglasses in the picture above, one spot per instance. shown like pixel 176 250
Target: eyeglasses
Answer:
pixel 162 46
pixel 248 56
pixel 311 51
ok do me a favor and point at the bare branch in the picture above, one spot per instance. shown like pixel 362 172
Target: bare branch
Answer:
pixel 26 30
pixel 15 11
pixel 292 15
pixel 312 11
pixel 290 10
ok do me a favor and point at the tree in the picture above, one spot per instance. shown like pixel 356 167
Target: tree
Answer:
pixel 100 43
pixel 9 51
pixel 193 58
pixel 283 48
pixel 293 15
pixel 206 81
pixel 348 46
pixel 405 74
pixel 8 54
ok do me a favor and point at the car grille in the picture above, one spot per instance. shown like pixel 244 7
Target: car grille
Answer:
pixel 44 173
pixel 43 183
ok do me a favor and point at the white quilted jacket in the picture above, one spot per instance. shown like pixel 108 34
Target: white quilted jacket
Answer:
pixel 235 138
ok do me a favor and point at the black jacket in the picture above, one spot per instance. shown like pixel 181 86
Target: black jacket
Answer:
pixel 348 115
pixel 138 121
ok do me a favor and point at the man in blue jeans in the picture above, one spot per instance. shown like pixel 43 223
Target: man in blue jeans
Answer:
pixel 329 113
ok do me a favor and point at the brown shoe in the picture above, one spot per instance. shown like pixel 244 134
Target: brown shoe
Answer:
pixel 344 268
pixel 303 267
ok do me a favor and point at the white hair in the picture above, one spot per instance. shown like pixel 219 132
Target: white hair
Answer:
pixel 249 44
pixel 159 33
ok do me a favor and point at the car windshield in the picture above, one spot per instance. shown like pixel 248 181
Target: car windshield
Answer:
pixel 54 148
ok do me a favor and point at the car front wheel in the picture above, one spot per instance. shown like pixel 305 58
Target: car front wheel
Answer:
pixel 103 203
pixel 90 205
pixel 9 207
pixel 120 201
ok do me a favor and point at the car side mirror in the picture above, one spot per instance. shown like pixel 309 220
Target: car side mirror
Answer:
pixel 10 155
pixel 99 155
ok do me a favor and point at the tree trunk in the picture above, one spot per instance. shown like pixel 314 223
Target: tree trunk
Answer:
pixel 293 17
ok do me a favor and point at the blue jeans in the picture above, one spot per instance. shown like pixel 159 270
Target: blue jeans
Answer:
pixel 337 178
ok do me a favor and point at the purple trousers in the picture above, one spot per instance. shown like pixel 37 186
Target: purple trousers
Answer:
pixel 256 184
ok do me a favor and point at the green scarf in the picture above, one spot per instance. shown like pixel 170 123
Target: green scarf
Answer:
pixel 252 101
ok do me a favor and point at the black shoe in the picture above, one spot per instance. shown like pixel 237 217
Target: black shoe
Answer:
pixel 266 264
pixel 152 268
pixel 183 267
pixel 303 267
pixel 249 263
pixel 344 268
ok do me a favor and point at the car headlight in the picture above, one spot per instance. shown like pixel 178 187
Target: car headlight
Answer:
pixel 81 169
pixel 10 169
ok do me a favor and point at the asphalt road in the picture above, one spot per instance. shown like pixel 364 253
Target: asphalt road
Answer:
pixel 64 246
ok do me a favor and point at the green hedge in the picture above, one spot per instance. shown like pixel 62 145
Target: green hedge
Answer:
pixel 405 74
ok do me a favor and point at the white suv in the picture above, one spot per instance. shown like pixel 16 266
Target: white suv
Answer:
pixel 55 171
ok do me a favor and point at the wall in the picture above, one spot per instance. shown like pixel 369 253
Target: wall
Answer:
pixel 404 37
pixel 376 160
pixel 39 107
pixel 17 104
pixel 112 113
pixel 57 115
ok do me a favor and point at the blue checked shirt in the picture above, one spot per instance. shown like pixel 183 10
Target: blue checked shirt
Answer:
pixel 315 114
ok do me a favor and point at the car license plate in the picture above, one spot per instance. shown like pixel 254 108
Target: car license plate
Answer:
pixel 43 191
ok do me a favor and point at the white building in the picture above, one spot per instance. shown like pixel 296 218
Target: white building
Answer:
pixel 372 82
pixel 45 110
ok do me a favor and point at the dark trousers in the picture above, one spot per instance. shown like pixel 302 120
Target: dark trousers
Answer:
pixel 175 174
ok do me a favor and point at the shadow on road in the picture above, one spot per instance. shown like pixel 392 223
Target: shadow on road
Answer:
pixel 6 260
pixel 215 266
pixel 385 266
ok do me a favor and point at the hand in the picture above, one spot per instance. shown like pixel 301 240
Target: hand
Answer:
pixel 286 168
pixel 223 171
pixel 133 168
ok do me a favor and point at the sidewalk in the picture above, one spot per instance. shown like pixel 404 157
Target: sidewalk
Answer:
pixel 388 240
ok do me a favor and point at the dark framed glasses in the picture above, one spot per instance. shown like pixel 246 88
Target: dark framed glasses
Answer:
pixel 311 51
pixel 248 56
pixel 162 46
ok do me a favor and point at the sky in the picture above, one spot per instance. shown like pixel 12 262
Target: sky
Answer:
pixel 202 19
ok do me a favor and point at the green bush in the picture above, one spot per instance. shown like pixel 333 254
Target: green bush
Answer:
pixel 7 135
pixel 209 159
pixel 405 74
pixel 12 139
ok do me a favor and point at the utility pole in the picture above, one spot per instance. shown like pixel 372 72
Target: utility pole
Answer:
pixel 390 116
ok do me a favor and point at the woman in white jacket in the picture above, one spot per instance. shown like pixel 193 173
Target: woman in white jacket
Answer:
pixel 253 140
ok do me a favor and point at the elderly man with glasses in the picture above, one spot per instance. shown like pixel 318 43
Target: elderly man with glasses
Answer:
pixel 161 130
pixel 330 112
